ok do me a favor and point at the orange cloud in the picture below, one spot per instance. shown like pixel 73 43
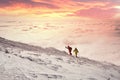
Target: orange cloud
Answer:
pixel 57 8
pixel 96 13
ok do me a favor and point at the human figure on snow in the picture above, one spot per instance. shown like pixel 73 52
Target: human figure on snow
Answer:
pixel 69 49
pixel 76 52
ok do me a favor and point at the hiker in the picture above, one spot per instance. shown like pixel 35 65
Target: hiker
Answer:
pixel 76 52
pixel 69 49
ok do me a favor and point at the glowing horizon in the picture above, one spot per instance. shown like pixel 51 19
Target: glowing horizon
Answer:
pixel 61 8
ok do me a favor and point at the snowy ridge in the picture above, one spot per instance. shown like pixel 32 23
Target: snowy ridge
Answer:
pixel 20 61
pixel 7 43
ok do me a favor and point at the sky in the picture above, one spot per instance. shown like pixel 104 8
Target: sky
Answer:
pixel 91 9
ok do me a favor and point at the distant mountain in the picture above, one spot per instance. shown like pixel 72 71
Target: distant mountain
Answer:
pixel 19 61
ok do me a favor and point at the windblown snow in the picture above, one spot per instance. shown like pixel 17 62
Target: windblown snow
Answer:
pixel 20 61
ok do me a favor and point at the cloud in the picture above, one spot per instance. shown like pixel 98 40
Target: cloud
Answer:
pixel 97 1
pixel 96 13
pixel 57 7
pixel 4 3
pixel 27 3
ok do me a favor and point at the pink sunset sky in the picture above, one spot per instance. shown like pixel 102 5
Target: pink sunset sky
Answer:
pixel 95 9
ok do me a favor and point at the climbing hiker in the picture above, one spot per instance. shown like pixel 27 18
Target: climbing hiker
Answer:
pixel 69 49
pixel 76 52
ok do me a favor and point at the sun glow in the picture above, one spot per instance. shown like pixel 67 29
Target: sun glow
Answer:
pixel 53 15
pixel 118 7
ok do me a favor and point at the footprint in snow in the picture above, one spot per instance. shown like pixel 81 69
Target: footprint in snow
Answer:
pixel 52 76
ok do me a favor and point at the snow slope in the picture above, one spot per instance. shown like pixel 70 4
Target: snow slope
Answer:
pixel 20 61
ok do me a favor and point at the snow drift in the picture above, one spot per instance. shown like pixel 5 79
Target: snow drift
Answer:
pixel 19 61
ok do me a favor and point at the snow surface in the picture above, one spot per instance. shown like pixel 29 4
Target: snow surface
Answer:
pixel 20 61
